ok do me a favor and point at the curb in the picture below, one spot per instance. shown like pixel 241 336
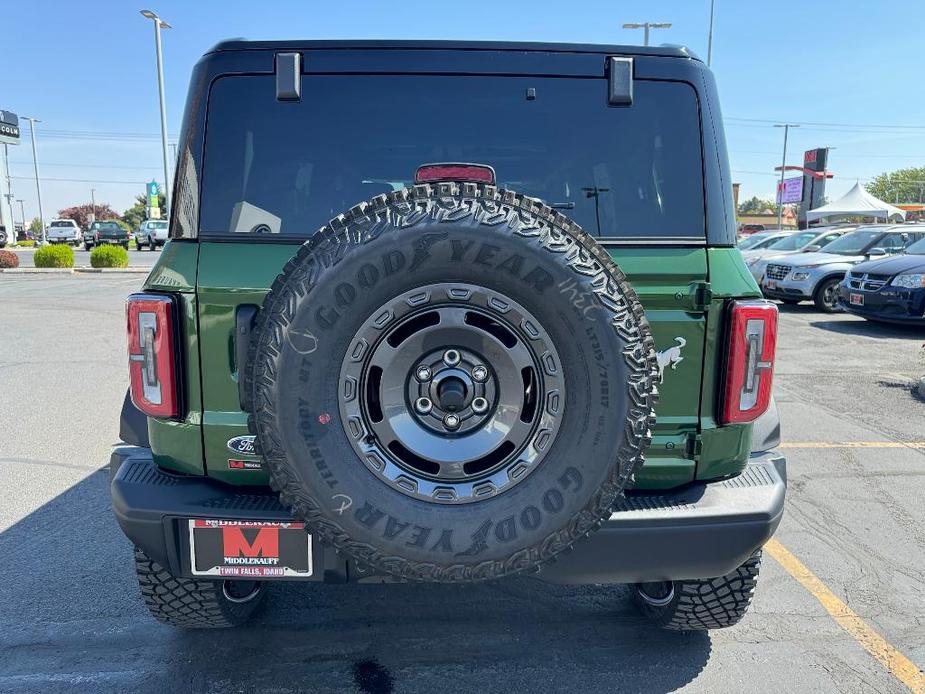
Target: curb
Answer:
pixel 76 270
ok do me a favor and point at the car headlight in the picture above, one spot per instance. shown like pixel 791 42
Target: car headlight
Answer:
pixel 911 281
pixel 800 276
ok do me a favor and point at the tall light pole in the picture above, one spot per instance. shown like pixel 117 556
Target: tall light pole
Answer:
pixel 93 202
pixel 35 166
pixel 646 26
pixel 710 36
pixel 158 25
pixel 783 164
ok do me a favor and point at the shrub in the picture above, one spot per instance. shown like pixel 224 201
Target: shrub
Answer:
pixel 109 256
pixel 26 243
pixel 57 255
pixel 8 259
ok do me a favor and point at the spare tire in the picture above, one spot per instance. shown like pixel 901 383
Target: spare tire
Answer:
pixel 452 382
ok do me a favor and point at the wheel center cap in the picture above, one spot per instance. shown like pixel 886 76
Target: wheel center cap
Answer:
pixel 451 394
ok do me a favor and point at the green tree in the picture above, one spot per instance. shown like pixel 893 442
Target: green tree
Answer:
pixel 902 185
pixel 756 205
pixel 138 212
pixel 35 226
pixel 81 214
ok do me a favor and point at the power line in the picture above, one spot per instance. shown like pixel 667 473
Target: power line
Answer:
pixel 80 180
pixel 838 125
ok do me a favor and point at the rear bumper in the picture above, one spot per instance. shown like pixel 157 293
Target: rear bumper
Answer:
pixel 888 304
pixel 700 531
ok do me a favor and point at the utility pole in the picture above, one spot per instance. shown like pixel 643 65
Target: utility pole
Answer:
pixel 783 163
pixel 158 25
pixel 93 202
pixel 710 37
pixel 22 213
pixel 35 165
pixel 645 26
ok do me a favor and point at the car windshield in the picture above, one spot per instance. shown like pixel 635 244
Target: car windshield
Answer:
pixel 853 243
pixel 793 242
pixel 158 225
pixel 752 241
pixel 289 167
pixel 917 248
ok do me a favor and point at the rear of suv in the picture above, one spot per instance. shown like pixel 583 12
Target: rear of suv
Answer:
pixel 450 312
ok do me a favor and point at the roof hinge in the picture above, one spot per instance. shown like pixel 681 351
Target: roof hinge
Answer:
pixel 619 81
pixel 288 76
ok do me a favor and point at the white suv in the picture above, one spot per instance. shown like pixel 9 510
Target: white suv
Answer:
pixel 151 233
pixel 64 231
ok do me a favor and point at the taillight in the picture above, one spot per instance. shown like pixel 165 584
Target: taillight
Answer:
pixel 151 354
pixel 471 173
pixel 749 361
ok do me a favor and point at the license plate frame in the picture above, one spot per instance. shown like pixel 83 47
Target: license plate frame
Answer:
pixel 771 284
pixel 855 299
pixel 249 550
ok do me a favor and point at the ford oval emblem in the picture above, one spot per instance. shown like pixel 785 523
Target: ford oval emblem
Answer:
pixel 242 444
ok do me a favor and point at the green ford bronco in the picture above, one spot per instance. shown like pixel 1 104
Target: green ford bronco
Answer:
pixel 449 312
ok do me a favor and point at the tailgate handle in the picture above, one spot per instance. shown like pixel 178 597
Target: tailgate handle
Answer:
pixel 245 318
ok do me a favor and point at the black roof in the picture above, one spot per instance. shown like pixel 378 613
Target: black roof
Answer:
pixel 669 51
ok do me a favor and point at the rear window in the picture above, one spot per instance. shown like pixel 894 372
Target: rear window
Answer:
pixel 287 168
pixel 109 226
pixel 62 224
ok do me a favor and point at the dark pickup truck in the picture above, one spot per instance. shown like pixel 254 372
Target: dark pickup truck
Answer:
pixel 101 233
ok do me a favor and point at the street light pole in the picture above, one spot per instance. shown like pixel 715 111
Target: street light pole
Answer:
pixel 710 36
pixel 93 202
pixel 22 213
pixel 783 163
pixel 645 26
pixel 158 25
pixel 35 166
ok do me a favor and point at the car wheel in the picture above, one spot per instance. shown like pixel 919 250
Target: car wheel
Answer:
pixel 150 244
pixel 697 605
pixel 87 246
pixel 195 603
pixel 450 436
pixel 826 295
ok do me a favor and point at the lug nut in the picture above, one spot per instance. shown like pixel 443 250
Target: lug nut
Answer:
pixel 423 405
pixel 479 373
pixel 423 373
pixel 451 357
pixel 451 421
pixel 480 405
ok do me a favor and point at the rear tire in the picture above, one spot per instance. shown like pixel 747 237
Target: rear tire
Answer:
pixel 698 605
pixel 825 295
pixel 87 246
pixel 192 603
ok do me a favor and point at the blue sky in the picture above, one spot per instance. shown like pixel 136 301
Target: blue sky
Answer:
pixel 88 68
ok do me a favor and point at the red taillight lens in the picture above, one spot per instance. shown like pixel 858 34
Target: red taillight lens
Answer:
pixel 749 361
pixel 470 173
pixel 151 356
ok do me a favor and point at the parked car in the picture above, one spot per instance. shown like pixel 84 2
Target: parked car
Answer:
pixel 151 234
pixel 104 233
pixel 891 289
pixel 761 239
pixel 807 241
pixel 452 382
pixel 748 229
pixel 64 231
pixel 2 236
pixel 815 276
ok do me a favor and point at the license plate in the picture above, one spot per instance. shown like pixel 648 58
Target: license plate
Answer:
pixel 772 284
pixel 856 299
pixel 249 549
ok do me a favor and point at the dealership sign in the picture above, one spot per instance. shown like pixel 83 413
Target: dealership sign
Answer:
pixel 791 190
pixel 9 128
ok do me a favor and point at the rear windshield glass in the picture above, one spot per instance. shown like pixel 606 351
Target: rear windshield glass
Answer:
pixel 157 225
pixel 109 226
pixel 62 224
pixel 289 167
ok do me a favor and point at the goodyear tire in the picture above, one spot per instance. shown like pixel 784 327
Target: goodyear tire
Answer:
pixel 452 382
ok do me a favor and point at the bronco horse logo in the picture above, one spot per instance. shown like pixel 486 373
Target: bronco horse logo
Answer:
pixel 670 357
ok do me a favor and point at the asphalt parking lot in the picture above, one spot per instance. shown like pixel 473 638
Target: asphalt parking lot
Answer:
pixel 143 258
pixel 71 618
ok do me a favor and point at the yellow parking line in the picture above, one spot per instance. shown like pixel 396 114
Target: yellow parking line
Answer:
pixel 899 665
pixel 854 444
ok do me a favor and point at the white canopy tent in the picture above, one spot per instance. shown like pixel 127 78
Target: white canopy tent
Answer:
pixel 856 202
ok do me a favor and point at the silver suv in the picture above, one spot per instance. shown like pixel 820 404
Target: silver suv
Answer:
pixel 815 276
